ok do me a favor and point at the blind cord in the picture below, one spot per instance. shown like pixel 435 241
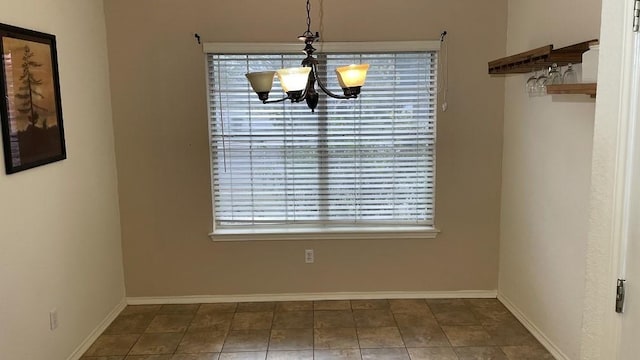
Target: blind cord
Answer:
pixel 224 148
pixel 444 70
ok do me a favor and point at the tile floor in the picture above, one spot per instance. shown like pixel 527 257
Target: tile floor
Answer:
pixel 417 329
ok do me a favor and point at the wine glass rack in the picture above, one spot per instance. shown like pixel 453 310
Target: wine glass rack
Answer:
pixel 542 58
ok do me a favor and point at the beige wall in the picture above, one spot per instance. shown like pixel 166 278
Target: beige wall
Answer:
pixel 546 173
pixel 159 106
pixel 60 233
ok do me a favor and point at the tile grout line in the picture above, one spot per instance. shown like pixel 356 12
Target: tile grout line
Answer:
pixel 442 330
pixel 313 327
pixel 393 315
pixel 355 326
pixel 229 329
pixel 185 331
pixel 155 313
pixel 273 316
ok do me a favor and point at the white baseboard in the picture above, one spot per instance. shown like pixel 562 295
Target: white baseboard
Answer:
pixel 84 346
pixel 533 329
pixel 468 294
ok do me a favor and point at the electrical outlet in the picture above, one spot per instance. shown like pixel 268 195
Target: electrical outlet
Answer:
pixel 308 256
pixel 53 319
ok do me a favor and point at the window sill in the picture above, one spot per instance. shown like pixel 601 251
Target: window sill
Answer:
pixel 326 233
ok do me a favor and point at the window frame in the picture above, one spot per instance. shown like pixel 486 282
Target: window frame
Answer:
pixel 316 232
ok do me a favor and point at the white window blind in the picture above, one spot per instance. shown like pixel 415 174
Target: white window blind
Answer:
pixel 366 162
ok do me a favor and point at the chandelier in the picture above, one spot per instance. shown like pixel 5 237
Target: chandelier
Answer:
pixel 299 82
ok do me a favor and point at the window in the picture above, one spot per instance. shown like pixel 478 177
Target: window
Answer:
pixel 365 165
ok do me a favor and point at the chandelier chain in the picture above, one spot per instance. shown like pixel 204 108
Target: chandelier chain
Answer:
pixel 308 32
pixel 308 16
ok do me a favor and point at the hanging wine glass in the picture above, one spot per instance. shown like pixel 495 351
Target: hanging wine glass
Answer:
pixel 570 76
pixel 530 85
pixel 541 84
pixel 554 77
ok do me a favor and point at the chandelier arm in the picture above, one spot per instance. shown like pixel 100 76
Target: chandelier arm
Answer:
pixel 327 91
pixel 276 101
pixel 310 95
pixel 310 88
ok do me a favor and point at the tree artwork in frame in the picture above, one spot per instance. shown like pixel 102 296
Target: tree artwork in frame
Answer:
pixel 30 104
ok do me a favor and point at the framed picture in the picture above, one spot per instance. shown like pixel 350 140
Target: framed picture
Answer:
pixel 30 106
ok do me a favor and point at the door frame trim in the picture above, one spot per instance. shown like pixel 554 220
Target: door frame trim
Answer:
pixel 601 333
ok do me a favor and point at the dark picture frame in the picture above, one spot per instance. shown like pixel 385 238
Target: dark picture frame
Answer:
pixel 30 103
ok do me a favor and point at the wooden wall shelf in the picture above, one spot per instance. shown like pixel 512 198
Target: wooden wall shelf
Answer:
pixel 586 89
pixel 539 58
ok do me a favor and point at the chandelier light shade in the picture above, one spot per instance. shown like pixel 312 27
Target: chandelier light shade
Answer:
pixel 299 83
pixel 261 82
pixel 293 79
pixel 352 77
